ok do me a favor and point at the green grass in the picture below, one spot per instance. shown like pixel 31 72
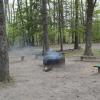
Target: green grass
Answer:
pixel 96 52
pixel 80 52
pixel 68 53
pixel 71 53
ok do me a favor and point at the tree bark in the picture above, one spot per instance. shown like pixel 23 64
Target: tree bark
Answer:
pixel 88 29
pixel 76 44
pixel 45 26
pixel 4 61
pixel 60 23
pixel 72 26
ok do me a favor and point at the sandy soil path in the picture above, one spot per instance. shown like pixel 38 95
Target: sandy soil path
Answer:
pixel 74 81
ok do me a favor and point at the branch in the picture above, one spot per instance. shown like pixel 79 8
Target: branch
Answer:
pixel 95 2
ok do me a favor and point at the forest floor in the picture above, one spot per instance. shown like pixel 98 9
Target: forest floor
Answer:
pixel 76 80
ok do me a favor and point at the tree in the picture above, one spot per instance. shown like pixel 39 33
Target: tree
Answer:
pixel 76 44
pixel 4 62
pixel 88 27
pixel 65 22
pixel 61 23
pixel 72 26
pixel 45 26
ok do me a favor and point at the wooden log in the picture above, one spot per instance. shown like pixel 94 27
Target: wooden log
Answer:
pixel 87 57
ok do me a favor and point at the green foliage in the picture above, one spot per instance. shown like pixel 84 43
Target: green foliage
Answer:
pixel 97 12
pixel 96 26
pixel 53 34
pixel 27 23
pixel 96 31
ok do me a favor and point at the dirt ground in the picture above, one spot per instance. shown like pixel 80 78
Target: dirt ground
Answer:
pixel 76 80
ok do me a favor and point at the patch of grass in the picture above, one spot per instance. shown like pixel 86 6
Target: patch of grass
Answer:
pixel 80 52
pixel 73 52
pixel 68 52
pixel 96 52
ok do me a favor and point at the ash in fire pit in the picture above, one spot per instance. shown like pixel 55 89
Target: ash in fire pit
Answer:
pixel 52 58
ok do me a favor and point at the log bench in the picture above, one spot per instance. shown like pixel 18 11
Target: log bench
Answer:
pixel 87 57
pixel 20 57
pixel 97 66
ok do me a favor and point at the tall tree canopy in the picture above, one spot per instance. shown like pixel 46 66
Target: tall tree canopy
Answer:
pixel 61 22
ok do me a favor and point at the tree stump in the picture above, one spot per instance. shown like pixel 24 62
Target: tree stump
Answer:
pixel 22 58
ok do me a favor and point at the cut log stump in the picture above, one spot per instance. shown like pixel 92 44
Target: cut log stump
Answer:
pixel 22 58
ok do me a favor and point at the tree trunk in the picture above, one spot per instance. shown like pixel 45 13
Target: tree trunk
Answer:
pixel 4 62
pixel 82 15
pixel 60 23
pixel 72 21
pixel 45 26
pixel 76 44
pixel 88 29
